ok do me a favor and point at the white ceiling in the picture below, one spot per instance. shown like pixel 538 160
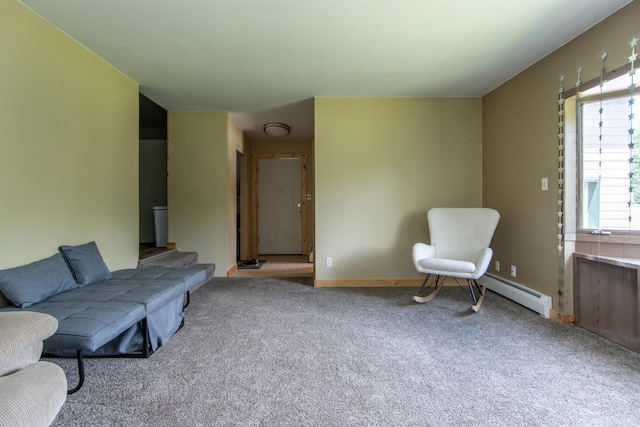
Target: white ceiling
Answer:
pixel 265 60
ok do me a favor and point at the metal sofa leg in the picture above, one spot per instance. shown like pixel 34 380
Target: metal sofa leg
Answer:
pixel 187 299
pixel 147 350
pixel 80 373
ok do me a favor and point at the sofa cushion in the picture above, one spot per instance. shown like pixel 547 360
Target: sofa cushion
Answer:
pixel 86 263
pixel 87 325
pixel 152 295
pixel 188 277
pixel 32 283
pixel 153 287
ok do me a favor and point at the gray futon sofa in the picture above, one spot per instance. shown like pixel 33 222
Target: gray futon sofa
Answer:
pixel 99 312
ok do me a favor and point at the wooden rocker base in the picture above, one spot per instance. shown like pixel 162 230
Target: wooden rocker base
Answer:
pixel 477 302
pixel 477 305
pixel 427 298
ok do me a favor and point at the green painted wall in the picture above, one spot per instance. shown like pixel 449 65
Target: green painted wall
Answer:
pixel 68 146
pixel 197 185
pixel 380 164
pixel 235 144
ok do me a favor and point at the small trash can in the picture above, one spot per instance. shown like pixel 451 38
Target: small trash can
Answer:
pixel 160 222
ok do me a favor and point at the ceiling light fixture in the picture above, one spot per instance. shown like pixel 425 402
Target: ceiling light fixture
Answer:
pixel 276 129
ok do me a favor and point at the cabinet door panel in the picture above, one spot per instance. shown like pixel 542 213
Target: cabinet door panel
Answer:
pixel 606 301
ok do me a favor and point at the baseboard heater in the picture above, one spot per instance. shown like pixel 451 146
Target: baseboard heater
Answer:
pixel 521 294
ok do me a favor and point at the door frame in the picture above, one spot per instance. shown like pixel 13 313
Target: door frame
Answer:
pixel 303 197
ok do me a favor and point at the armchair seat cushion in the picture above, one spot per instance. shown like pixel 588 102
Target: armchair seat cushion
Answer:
pixel 31 391
pixel 32 396
pixel 443 266
pixel 21 336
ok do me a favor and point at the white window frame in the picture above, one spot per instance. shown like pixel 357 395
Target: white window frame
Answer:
pixel 620 234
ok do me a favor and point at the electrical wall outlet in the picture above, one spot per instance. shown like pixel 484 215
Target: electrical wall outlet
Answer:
pixel 545 184
pixel 513 271
pixel 329 261
pixel 497 265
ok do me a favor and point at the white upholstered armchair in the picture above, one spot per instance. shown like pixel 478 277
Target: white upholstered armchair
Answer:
pixel 459 248
pixel 32 391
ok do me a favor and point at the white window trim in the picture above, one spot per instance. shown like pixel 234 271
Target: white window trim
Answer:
pixel 587 234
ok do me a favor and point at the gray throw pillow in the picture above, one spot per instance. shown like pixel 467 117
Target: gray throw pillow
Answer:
pixel 86 263
pixel 33 283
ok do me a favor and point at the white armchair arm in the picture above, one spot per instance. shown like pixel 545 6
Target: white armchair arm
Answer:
pixel 484 258
pixel 422 251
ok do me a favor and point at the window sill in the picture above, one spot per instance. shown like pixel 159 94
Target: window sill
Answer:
pixel 632 263
pixel 620 238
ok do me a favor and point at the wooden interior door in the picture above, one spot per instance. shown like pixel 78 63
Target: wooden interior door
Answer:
pixel 280 206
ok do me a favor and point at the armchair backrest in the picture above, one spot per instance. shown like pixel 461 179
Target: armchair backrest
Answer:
pixel 461 233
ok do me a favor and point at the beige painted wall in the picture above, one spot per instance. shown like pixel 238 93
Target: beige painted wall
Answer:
pixel 520 136
pixel 197 185
pixel 380 164
pixel 68 146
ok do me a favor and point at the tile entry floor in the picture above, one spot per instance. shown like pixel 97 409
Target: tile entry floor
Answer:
pixel 280 266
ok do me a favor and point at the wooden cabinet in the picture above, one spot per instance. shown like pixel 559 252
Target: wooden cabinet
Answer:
pixel 606 298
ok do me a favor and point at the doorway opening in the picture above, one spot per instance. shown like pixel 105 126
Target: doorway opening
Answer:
pixel 239 204
pixel 152 178
pixel 280 204
pixel 292 262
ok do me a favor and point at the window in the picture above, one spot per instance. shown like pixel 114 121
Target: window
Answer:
pixel 609 189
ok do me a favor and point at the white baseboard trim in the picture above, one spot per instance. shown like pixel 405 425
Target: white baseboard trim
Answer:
pixel 516 292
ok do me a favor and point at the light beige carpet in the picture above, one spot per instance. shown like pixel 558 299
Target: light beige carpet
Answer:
pixel 278 352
